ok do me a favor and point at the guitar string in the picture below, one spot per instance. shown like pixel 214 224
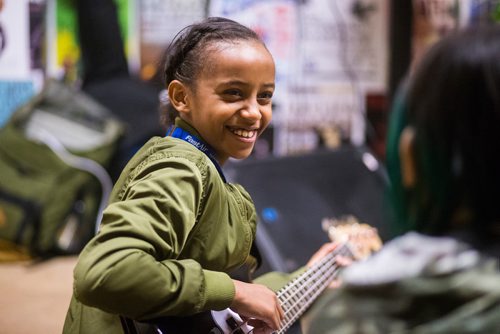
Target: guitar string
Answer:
pixel 320 264
pixel 303 283
pixel 300 306
pixel 321 269
pixel 293 285
pixel 299 309
pixel 285 296
pixel 316 275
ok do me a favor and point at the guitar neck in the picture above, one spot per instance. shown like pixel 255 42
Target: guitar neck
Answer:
pixel 299 294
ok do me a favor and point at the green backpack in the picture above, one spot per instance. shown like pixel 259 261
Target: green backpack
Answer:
pixel 54 151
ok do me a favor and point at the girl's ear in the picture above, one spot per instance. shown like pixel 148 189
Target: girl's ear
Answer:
pixel 178 95
pixel 407 157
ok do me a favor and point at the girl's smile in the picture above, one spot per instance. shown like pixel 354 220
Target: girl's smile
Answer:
pixel 245 134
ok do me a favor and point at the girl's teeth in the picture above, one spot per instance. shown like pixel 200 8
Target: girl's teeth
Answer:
pixel 243 133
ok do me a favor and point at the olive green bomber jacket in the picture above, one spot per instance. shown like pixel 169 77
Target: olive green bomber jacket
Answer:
pixel 171 232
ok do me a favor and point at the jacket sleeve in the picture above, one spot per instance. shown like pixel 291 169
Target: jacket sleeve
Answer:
pixel 132 266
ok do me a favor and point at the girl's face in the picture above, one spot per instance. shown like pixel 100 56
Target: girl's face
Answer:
pixel 230 103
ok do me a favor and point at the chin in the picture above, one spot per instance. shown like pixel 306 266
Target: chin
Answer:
pixel 241 155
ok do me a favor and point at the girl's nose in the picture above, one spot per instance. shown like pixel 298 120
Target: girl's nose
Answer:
pixel 251 111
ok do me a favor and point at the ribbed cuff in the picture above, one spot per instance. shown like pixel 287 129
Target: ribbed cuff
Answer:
pixel 219 292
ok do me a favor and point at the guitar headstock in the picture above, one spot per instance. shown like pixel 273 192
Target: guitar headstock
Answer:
pixel 361 238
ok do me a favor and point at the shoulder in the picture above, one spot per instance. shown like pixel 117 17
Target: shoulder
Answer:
pixel 159 150
pixel 165 159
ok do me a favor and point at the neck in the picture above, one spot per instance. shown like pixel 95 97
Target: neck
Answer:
pixel 299 294
pixel 184 131
pixel 220 161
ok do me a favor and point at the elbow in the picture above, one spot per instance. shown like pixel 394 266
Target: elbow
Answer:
pixel 89 285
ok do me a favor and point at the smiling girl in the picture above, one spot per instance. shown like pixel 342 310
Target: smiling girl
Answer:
pixel 174 228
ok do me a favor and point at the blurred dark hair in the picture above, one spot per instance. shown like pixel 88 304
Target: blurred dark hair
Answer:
pixel 453 103
pixel 188 52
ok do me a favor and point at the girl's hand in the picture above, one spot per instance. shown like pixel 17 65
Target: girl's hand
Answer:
pixel 324 251
pixel 321 253
pixel 259 304
pixel 340 260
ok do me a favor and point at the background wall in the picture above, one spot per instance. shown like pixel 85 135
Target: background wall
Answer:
pixel 329 55
pixel 338 61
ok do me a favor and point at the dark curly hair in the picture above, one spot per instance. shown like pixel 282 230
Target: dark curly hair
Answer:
pixel 186 56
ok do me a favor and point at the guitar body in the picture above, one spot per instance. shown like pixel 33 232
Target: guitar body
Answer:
pixel 211 322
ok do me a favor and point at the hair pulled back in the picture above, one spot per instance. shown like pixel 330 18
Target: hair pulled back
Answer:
pixel 187 54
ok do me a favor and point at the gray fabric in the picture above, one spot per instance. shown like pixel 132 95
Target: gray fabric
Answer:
pixel 415 284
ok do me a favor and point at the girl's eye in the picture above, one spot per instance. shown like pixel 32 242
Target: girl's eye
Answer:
pixel 265 96
pixel 233 93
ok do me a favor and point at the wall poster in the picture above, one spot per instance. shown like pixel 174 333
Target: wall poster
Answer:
pixel 16 62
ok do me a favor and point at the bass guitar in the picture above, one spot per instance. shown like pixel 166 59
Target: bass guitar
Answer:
pixel 357 241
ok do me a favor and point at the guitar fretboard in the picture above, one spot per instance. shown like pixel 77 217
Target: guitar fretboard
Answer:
pixel 300 293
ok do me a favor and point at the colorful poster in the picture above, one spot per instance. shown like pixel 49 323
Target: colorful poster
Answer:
pixel 17 60
pixel 344 41
pixel 12 95
pixel 341 56
pixel 63 48
pixel 14 40
pixel 159 22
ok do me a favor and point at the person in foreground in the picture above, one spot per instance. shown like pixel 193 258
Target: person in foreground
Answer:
pixel 444 162
pixel 174 228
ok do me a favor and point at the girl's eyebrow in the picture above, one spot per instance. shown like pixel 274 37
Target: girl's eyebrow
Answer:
pixel 232 83
pixel 242 83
